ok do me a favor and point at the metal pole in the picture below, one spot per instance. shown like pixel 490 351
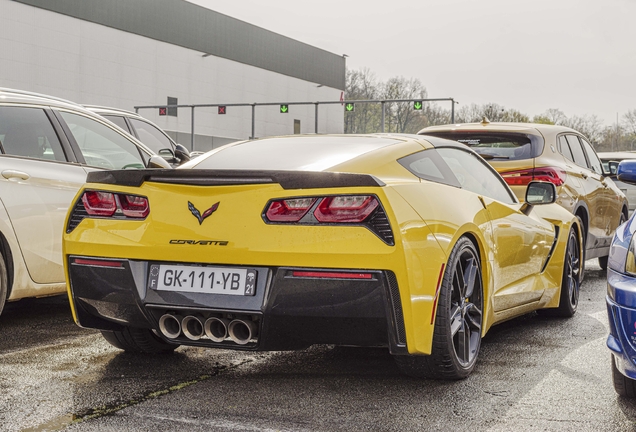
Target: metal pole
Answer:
pixel 452 110
pixel 316 129
pixel 382 116
pixel 253 123
pixel 192 132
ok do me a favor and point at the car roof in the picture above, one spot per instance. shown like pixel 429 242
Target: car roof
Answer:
pixel 500 127
pixel 617 155
pixel 101 110
pixel 8 95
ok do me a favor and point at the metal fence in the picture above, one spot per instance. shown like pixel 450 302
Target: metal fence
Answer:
pixel 344 103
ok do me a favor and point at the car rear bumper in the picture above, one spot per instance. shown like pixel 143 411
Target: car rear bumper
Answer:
pixel 621 310
pixel 288 310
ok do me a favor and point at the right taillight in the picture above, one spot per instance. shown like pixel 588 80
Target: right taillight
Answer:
pixel 553 175
pixel 362 210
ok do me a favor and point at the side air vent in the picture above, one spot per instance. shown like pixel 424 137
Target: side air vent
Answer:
pixel 79 213
pixel 379 224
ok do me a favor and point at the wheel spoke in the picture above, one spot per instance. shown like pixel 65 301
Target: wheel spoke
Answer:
pixel 455 320
pixel 459 281
pixel 463 342
pixel 473 317
pixel 469 277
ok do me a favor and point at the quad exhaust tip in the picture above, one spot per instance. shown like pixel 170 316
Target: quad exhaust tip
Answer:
pixel 170 326
pixel 241 331
pixel 192 327
pixel 216 329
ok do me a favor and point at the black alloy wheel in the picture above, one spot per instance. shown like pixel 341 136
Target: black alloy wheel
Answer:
pixel 458 320
pixel 571 280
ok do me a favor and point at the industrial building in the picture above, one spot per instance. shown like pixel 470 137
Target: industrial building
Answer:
pixel 127 53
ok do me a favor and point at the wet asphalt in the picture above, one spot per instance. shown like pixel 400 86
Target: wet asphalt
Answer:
pixel 534 373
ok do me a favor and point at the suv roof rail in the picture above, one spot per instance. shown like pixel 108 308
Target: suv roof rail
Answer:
pixel 101 107
pixel 40 95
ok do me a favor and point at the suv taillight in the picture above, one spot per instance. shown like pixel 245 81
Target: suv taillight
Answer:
pixel 553 175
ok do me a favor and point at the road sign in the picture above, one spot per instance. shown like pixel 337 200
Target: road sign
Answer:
pixel 163 111
pixel 284 109
pixel 350 107
pixel 417 105
pixel 222 110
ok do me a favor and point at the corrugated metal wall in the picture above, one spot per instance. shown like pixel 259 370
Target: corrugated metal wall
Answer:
pixel 191 26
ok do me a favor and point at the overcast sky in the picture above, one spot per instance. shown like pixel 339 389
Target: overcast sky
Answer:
pixel 575 55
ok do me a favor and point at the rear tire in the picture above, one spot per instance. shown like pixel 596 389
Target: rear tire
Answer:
pixel 138 340
pixel 623 385
pixel 458 322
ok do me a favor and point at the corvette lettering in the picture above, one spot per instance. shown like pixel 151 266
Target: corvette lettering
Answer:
pixel 201 242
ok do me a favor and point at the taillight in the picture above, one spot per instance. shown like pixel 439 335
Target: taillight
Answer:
pixel 363 210
pixel 107 204
pixel 553 175
pixel 99 203
pixel 134 206
pixel 345 209
pixel 289 210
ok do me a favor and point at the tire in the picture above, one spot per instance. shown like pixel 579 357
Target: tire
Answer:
pixel 570 281
pixel 458 320
pixel 623 385
pixel 4 283
pixel 138 340
pixel 602 261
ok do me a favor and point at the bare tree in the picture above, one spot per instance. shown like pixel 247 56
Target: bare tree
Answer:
pixel 589 125
pixel 362 85
pixel 401 115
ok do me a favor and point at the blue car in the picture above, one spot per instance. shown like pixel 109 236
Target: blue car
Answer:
pixel 621 297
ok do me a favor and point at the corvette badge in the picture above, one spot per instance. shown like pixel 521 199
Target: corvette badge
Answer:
pixel 197 214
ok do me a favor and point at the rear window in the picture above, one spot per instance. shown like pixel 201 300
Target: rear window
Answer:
pixel 497 145
pixel 315 153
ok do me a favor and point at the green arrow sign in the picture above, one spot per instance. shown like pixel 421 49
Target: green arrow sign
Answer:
pixel 417 105
pixel 284 109
pixel 350 107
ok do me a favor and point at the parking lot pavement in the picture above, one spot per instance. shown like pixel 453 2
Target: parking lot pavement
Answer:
pixel 534 373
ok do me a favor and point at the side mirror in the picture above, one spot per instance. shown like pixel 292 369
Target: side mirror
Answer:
pixel 626 171
pixel 539 193
pixel 158 162
pixel 181 153
pixel 613 167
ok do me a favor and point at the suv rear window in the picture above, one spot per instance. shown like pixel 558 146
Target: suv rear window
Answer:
pixel 497 145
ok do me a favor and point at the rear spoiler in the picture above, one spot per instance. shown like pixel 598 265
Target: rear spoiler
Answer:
pixel 200 177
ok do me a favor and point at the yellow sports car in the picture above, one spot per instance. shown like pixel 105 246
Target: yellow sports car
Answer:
pixel 408 242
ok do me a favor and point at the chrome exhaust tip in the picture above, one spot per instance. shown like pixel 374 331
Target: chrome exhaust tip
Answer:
pixel 216 329
pixel 170 326
pixel 192 327
pixel 241 331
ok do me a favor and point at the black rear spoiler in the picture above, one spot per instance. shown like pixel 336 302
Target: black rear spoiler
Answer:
pixel 200 177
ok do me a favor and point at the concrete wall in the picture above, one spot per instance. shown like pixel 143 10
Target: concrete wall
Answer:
pixel 90 63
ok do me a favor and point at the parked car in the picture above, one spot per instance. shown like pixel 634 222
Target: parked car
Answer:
pixel 615 157
pixel 145 131
pixel 523 152
pixel 621 297
pixel 411 243
pixel 47 147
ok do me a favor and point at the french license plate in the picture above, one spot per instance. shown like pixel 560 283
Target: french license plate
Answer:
pixel 209 280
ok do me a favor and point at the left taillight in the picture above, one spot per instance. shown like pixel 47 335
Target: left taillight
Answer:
pixel 104 204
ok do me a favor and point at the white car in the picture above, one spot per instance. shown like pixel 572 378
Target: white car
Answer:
pixel 628 189
pixel 47 147
pixel 145 131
